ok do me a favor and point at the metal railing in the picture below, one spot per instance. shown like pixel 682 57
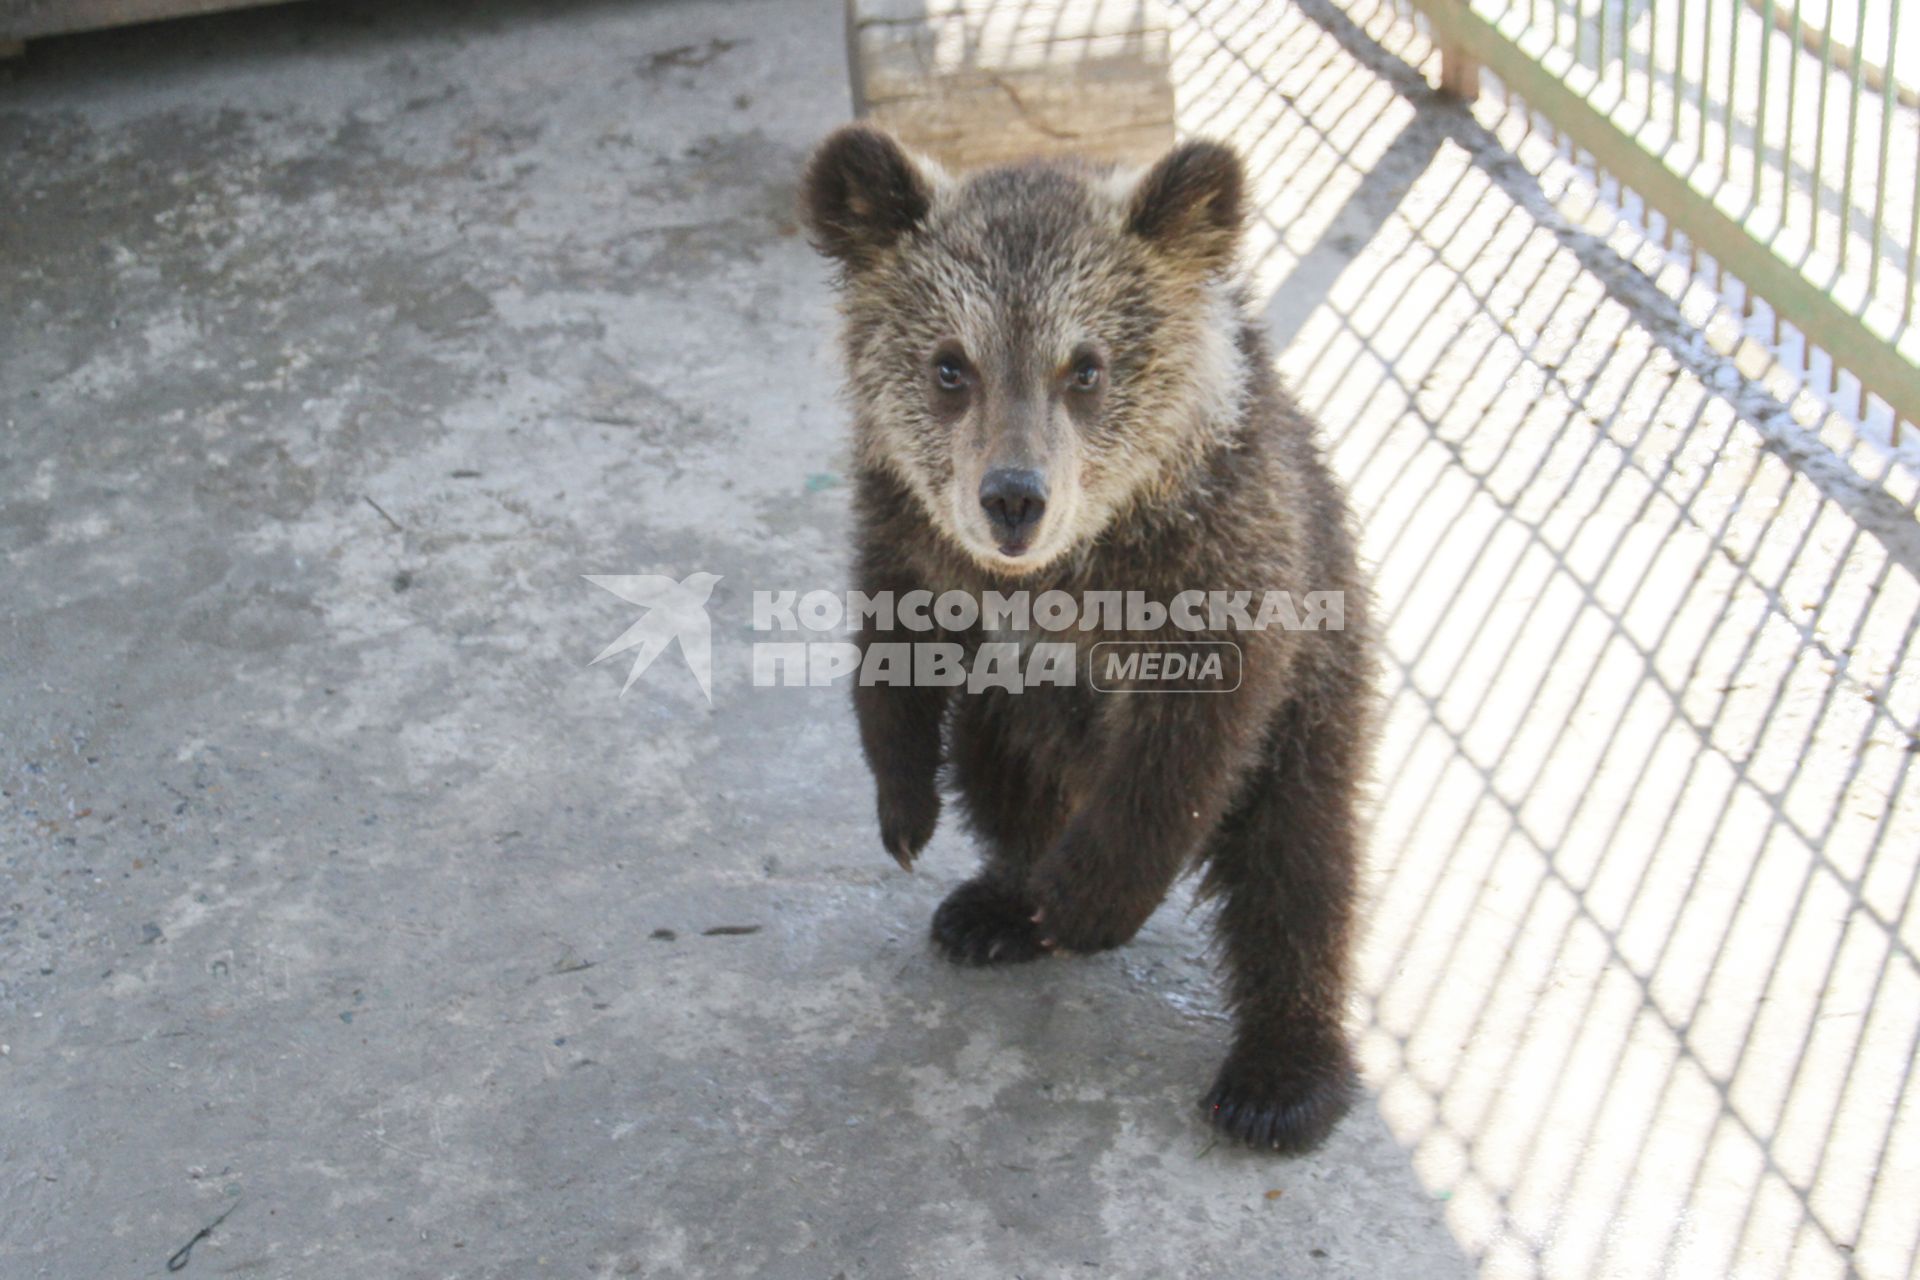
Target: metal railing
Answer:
pixel 1780 138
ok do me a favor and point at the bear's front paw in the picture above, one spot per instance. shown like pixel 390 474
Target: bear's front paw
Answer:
pixel 908 814
pixel 984 922
pixel 1288 1105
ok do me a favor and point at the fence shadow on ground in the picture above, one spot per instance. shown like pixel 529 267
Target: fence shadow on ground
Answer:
pixel 1641 994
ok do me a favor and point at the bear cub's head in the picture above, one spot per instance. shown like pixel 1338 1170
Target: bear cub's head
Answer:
pixel 1034 350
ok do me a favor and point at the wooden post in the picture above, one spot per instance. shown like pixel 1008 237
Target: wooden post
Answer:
pixel 1459 73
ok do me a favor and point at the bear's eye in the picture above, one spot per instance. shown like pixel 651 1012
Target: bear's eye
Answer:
pixel 1086 374
pixel 949 373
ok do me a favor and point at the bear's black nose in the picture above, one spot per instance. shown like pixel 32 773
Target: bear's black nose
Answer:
pixel 1014 501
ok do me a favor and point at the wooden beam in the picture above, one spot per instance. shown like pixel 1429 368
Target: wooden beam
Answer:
pixel 976 82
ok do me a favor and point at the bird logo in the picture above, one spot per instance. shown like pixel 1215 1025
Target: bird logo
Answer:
pixel 674 611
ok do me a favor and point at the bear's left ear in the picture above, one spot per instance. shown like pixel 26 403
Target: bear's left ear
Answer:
pixel 1190 204
pixel 861 193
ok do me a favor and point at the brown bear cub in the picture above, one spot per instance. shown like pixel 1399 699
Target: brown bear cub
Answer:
pixel 1058 386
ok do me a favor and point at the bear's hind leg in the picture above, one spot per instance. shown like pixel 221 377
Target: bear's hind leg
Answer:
pixel 1284 867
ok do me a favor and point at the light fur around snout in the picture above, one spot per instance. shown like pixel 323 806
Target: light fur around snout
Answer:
pixel 1026 435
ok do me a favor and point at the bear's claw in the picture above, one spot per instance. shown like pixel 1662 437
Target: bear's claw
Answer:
pixel 908 816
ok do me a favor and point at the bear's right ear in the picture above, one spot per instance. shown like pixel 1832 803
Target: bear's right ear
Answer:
pixel 862 192
pixel 1191 204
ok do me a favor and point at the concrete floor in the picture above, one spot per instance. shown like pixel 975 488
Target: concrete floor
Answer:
pixel 339 891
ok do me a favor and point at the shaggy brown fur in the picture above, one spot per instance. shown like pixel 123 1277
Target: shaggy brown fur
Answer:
pixel 974 310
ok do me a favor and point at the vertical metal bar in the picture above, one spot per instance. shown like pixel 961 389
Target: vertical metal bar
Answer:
pixel 1733 90
pixel 1820 134
pixel 1706 73
pixel 1766 92
pixel 1653 50
pixel 1679 65
pixel 1600 47
pixel 1793 88
pixel 1853 137
pixel 1886 141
